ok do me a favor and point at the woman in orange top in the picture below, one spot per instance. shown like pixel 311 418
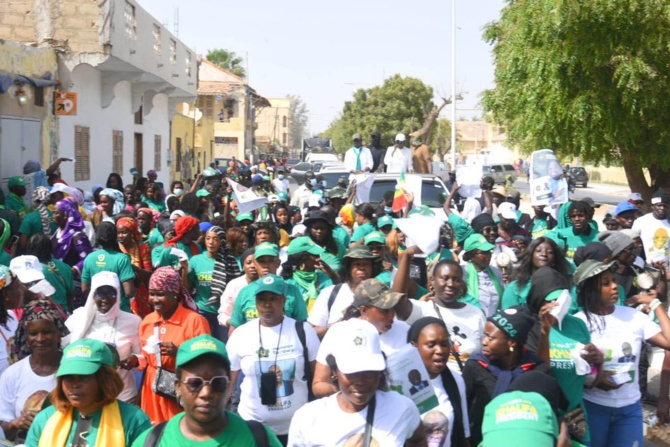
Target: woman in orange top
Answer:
pixel 170 324
pixel 130 238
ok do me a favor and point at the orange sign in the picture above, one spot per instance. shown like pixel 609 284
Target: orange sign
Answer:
pixel 65 103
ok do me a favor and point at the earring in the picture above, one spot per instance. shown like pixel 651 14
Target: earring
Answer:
pixel 511 349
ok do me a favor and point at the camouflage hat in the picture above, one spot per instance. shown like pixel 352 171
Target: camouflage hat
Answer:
pixel 375 293
pixel 338 193
pixel 359 252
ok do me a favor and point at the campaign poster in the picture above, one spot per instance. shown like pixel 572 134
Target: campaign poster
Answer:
pixel 548 186
pixel 407 375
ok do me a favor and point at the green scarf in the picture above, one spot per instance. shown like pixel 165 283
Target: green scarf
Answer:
pixel 4 237
pixel 306 281
pixel 473 282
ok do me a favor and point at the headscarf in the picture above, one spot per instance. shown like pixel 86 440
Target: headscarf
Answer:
pixel 90 317
pixel 448 381
pixel 149 212
pixel 131 225
pixel 41 196
pixel 169 280
pixel 74 223
pixel 182 227
pixel 31 167
pixel 225 267
pixel 6 234
pixel 117 196
pixel 41 309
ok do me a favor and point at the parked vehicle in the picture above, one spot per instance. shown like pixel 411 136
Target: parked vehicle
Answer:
pixel 579 176
pixel 441 170
pixel 500 173
pixel 298 172
pixel 331 177
pixel 433 191
pixel 291 163
pixel 322 157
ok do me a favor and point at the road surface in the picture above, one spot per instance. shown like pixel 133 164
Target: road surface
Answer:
pixel 599 192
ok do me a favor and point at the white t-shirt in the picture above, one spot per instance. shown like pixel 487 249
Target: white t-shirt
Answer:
pixel 324 423
pixel 624 329
pixel 18 383
pixel 228 298
pixel 351 159
pixel 390 341
pixel 320 316
pixel 446 408
pixel 280 185
pixel 466 326
pixel 398 160
pixel 654 234
pixel 244 352
pixel 7 334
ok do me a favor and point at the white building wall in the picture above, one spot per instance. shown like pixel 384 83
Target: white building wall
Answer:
pixel 86 82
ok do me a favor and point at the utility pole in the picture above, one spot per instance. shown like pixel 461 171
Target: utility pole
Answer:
pixel 453 84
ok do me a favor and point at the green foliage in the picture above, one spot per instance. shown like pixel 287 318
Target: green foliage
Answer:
pixel 228 60
pixel 299 120
pixel 588 78
pixel 387 108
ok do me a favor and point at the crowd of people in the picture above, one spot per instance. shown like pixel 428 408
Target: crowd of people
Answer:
pixel 140 315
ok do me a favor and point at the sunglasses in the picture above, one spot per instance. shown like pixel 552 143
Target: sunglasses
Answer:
pixel 490 229
pixel 218 384
pixel 106 295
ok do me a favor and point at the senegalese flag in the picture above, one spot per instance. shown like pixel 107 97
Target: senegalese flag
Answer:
pixel 399 201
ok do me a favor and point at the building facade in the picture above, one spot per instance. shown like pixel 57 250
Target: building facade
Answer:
pixel 273 126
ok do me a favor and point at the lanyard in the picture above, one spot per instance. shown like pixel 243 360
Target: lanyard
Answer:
pixel 262 350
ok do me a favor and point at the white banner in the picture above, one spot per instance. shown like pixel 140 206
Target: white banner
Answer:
pixel 247 200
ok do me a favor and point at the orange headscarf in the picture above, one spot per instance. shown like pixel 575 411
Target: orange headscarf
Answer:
pixel 131 225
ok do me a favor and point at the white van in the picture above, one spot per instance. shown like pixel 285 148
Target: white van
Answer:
pixel 314 157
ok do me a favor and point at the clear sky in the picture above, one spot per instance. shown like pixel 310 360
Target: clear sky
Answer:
pixel 325 50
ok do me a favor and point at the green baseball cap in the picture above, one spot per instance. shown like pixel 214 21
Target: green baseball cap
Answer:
pixel 201 345
pixel 589 269
pixel 84 357
pixel 519 418
pixel 266 178
pixel 244 216
pixel 375 236
pixel 423 210
pixel 385 220
pixel 553 296
pixel 356 136
pixel 266 249
pixel 302 244
pixel 202 193
pixel 359 252
pixel 271 283
pixel 477 242
pixel 375 293
pixel 282 196
pixel 16 181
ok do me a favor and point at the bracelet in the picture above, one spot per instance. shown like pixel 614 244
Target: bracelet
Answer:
pixel 654 304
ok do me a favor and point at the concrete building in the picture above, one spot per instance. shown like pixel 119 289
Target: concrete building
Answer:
pixel 229 110
pixel 128 72
pixel 273 126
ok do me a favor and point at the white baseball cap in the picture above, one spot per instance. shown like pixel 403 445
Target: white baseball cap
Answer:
pixel 507 210
pixel 26 268
pixel 400 137
pixel 357 347
pixel 273 198
pixel 635 196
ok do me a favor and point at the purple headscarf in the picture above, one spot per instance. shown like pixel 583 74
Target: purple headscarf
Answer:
pixel 73 224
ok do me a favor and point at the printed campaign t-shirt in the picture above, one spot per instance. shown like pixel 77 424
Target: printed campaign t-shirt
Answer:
pixel 109 261
pixel 32 223
pixel 245 310
pixel 59 275
pixel 201 275
pixel 574 241
pixel 323 423
pixel 281 352
pixel 561 344
pixel 655 236
pixel 236 434
pixel 18 383
pixel 620 335
pixel 446 408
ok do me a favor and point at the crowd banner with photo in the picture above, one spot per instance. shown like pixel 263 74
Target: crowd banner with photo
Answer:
pixel 247 200
pixel 407 375
pixel 547 184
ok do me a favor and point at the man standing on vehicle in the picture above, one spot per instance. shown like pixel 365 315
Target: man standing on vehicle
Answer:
pixel 398 158
pixel 358 159
pixel 421 155
pixel 378 152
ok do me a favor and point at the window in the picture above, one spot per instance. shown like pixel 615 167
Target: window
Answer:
pixel 157 38
pixel 188 64
pixel 39 96
pixel 157 153
pixel 177 168
pixel 285 121
pixel 173 51
pixel 138 116
pixel 82 168
pixel 117 151
pixel 225 140
pixel 131 20
pixel 284 138
pixel 206 104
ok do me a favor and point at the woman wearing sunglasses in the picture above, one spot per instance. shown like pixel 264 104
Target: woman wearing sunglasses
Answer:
pixel 85 410
pixel 203 375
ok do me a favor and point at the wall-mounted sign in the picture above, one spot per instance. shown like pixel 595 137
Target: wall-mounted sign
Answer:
pixel 65 103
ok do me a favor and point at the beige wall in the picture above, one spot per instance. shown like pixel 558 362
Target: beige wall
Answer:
pixel 270 123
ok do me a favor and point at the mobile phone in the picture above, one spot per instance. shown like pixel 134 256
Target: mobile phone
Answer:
pixel 268 389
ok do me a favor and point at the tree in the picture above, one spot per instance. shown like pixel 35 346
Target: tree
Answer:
pixel 586 78
pixel 298 120
pixel 389 109
pixel 227 60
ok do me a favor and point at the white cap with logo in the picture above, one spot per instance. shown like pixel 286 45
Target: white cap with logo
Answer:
pixel 357 347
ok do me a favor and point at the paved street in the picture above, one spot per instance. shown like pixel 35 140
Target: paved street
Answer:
pixel 599 192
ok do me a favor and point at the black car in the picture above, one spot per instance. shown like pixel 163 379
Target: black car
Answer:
pixel 579 176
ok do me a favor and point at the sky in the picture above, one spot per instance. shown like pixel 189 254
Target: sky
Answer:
pixel 324 51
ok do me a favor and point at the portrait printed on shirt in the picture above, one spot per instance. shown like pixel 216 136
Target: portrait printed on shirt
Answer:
pixel 620 357
pixel 358 440
pixel 283 369
pixel 436 426
pixel 658 251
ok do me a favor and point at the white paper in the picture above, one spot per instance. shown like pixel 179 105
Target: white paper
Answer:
pixel 247 200
pixel 468 178
pixel 564 301
pixel 179 253
pixel 422 231
pixel 153 345
pixel 400 366
pixel 582 367
pixel 363 186
pixel 414 184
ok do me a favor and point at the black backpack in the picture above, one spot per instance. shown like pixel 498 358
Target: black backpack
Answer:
pixel 257 430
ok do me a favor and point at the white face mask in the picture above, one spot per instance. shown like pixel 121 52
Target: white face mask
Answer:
pixel 280 176
pixel 313 181
pixel 178 192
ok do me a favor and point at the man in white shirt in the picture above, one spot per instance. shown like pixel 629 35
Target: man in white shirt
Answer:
pixel 358 159
pixel 398 157
pixel 280 184
pixel 654 229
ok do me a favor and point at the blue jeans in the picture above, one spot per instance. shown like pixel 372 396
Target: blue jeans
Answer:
pixel 615 427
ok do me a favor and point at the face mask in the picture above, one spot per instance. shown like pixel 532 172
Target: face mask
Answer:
pixel 313 181
pixel 178 192
pixel 388 209
pixel 280 176
pixel 324 183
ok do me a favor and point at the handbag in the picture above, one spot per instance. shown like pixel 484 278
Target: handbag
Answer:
pixel 164 381
pixel 576 423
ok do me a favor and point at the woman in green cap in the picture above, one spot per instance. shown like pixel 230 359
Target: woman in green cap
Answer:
pixel 203 377
pixel 305 269
pixel 320 226
pixel 84 408
pixel 484 282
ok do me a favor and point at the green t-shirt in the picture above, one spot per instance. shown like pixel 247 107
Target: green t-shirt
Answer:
pixel 201 275
pixel 155 238
pixel 245 305
pixel 335 261
pixel 5 258
pixel 573 241
pixel 161 256
pixel 59 275
pixel 513 296
pixel 362 231
pixel 135 422
pixel 540 228
pixel 32 224
pixel 16 203
pixel 341 235
pixel 109 261
pixel 236 434
pixel 158 206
